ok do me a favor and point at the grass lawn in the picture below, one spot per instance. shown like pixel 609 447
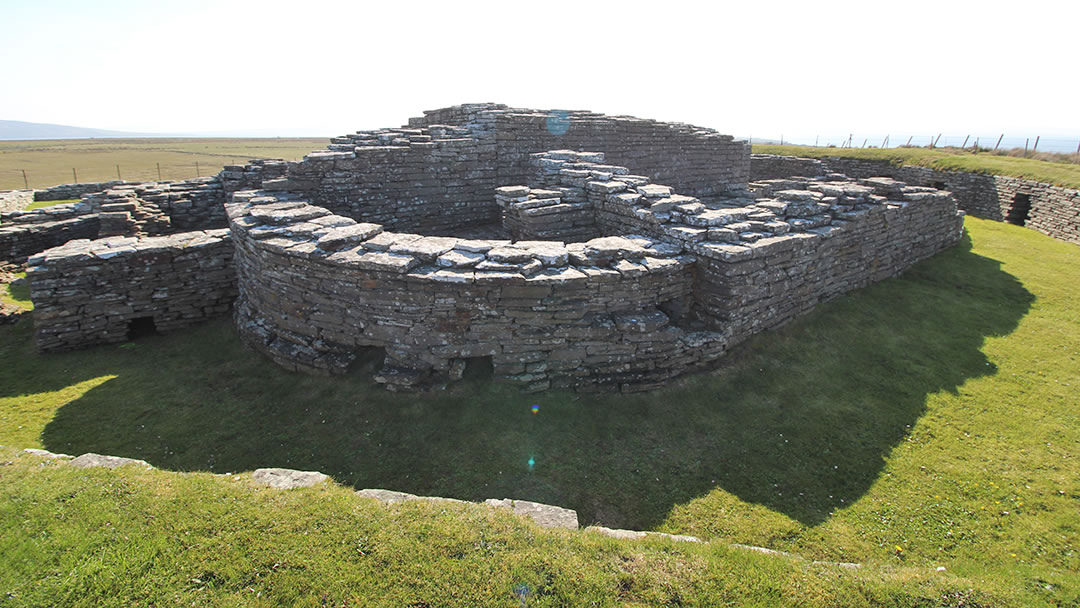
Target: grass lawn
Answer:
pixel 927 421
pixel 946 159
pixel 49 162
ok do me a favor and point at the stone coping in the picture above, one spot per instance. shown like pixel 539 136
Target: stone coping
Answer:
pixel 79 251
pixel 768 217
pixel 292 226
pixel 545 516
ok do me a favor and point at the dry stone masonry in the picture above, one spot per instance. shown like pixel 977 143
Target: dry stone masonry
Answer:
pixel 1051 210
pixel 564 249
pixel 95 292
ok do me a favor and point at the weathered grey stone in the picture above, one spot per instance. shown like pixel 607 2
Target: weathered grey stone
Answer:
pixel 90 459
pixel 546 516
pixel 287 479
pixel 47 454
pixel 638 535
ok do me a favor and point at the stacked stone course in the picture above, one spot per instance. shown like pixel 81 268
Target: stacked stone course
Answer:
pixel 689 279
pixel 65 192
pixel 88 292
pixel 637 250
pixel 1054 210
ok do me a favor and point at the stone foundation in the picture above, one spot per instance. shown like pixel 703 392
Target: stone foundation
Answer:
pixel 1051 210
pixel 95 292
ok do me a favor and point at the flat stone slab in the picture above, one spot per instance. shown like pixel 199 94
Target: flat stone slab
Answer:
pixel 387 496
pixel 638 534
pixel 339 238
pixel 47 454
pixel 546 516
pixel 89 460
pixel 287 479
pixel 391 497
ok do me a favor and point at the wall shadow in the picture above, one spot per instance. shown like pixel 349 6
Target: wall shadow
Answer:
pixel 798 420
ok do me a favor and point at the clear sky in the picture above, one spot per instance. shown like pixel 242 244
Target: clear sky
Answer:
pixel 748 68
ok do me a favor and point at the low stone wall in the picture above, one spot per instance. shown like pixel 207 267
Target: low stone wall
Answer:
pixel 129 209
pixel 1051 210
pixel 94 292
pixel 15 200
pixel 771 166
pixel 24 233
pixel 65 192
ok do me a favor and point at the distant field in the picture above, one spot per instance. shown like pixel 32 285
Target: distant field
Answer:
pixel 50 162
pixel 948 159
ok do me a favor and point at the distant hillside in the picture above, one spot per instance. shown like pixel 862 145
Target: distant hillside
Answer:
pixel 17 129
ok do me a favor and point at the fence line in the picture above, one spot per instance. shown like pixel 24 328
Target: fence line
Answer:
pixel 973 140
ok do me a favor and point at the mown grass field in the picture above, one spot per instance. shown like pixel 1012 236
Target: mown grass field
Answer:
pixel 946 159
pixel 929 421
pixel 49 162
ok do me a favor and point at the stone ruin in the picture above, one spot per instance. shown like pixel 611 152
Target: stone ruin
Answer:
pixel 559 249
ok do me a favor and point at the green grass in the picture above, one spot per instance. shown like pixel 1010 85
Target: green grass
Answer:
pixel 49 162
pixel 17 296
pixel 946 159
pixel 926 421
pixel 44 204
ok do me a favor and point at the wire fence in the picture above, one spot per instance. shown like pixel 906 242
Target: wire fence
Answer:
pixel 1031 144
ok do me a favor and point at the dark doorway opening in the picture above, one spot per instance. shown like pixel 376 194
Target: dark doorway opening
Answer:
pixel 1020 209
pixel 141 327
pixel 367 360
pixel 478 369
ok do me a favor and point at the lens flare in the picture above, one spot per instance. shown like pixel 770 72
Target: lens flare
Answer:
pixel 535 409
pixel 532 463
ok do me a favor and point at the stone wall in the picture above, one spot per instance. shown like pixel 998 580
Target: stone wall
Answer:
pixel 96 291
pixel 65 192
pixel 690 279
pixel 129 209
pixel 15 200
pixel 24 233
pixel 316 288
pixel 1052 210
pixel 771 166
pixel 438 174
pixel 694 160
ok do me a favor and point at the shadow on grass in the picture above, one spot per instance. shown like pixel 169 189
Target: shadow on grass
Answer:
pixel 798 420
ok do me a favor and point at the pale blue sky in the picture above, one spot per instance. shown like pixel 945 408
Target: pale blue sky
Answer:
pixel 750 68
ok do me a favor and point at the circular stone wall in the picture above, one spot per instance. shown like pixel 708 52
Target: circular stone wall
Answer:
pixel 316 288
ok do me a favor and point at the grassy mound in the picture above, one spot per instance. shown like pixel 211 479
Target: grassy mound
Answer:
pixel 927 421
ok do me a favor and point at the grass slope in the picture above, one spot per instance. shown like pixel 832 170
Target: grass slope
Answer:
pixel 49 162
pixel 946 159
pixel 926 421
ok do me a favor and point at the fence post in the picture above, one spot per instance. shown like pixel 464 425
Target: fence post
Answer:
pixel 74 175
pixel 999 141
pixel 1026 140
pixel 1077 157
pixel 1036 146
pixel 159 172
pixel 964 145
pixel 197 169
pixel 118 173
pixel 26 182
pixel 909 140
